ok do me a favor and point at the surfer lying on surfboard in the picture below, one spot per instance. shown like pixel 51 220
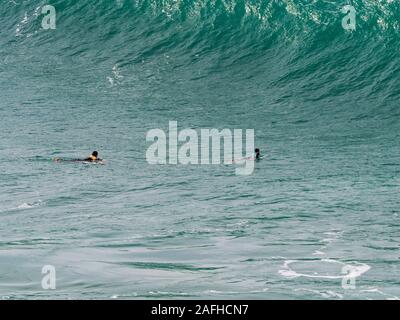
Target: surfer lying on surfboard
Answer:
pixel 94 157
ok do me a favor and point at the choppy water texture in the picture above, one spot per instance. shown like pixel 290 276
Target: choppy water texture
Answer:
pixel 324 103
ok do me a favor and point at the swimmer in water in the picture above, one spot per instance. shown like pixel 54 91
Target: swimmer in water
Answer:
pixel 93 158
pixel 258 155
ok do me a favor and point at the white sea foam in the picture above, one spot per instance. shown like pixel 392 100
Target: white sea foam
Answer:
pixel 167 293
pixel 355 270
pixel 217 292
pixel 18 30
pixel 376 290
pixel 116 76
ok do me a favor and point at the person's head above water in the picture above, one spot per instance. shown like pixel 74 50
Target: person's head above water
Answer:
pixel 93 157
pixel 257 151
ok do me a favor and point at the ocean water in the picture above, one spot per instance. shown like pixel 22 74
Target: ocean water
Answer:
pixel 320 211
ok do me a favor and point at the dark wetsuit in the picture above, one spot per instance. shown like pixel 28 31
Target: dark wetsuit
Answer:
pixel 84 160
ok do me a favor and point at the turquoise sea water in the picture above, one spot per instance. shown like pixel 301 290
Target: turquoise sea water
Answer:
pixel 324 104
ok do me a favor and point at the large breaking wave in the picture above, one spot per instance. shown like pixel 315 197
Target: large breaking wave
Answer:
pixel 285 52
